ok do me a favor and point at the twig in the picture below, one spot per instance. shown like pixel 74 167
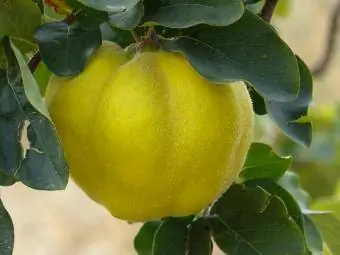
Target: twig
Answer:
pixel 135 36
pixel 150 33
pixel 70 19
pixel 326 58
pixel 268 10
pixel 35 60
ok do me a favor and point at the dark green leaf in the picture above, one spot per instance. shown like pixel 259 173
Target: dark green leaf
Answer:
pixel 19 18
pixel 30 85
pixel 182 14
pixel 110 5
pixel 286 114
pixel 119 36
pixel 248 50
pixel 263 163
pixel 170 238
pixel 92 19
pixel 255 7
pixel 143 241
pixel 65 48
pixel 238 197
pixel 313 237
pixel 251 1
pixel 87 16
pixel 128 19
pixel 30 150
pixel 6 231
pixel 187 219
pixel 3 59
pixel 259 105
pixel 6 180
pixel 199 242
pixel 290 182
pixel 273 188
pixel 251 221
pixel 40 4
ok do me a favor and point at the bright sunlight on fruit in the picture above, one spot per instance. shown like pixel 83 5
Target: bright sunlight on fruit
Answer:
pixel 148 137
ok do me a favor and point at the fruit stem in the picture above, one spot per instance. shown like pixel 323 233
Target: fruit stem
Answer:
pixel 149 42
pixel 135 36
pixel 150 33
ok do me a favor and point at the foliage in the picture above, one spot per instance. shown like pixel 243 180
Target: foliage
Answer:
pixel 264 211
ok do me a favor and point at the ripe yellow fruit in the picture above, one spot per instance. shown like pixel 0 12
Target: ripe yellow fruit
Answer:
pixel 148 137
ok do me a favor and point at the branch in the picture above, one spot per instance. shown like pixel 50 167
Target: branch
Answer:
pixel 35 60
pixel 325 60
pixel 268 10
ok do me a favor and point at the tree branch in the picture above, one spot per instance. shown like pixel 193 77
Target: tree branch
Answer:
pixel 268 10
pixel 333 29
pixel 35 60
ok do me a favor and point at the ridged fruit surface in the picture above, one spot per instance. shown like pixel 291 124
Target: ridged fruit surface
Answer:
pixel 148 137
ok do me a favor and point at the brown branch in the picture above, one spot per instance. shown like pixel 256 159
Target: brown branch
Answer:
pixel 333 29
pixel 70 19
pixel 268 10
pixel 35 60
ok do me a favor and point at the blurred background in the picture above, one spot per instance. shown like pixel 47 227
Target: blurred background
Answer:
pixel 69 223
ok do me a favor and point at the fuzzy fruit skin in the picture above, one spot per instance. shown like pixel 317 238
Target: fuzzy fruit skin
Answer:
pixel 149 138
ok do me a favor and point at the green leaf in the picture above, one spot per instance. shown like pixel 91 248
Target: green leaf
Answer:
pixel 185 220
pixel 110 5
pixel 42 75
pixel 273 188
pixel 66 48
pixel 263 163
pixel 86 16
pixel 199 241
pixel 329 226
pixel 255 6
pixel 259 105
pixel 313 237
pixel 128 19
pixel 19 18
pixel 286 114
pixel 291 182
pixel 143 241
pixel 119 36
pixel 251 1
pixel 6 180
pixel 251 221
pixel 40 4
pixel 182 14
pixel 248 50
pixel 30 85
pixel 25 46
pixel 170 238
pixel 6 231
pixel 3 59
pixel 30 150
